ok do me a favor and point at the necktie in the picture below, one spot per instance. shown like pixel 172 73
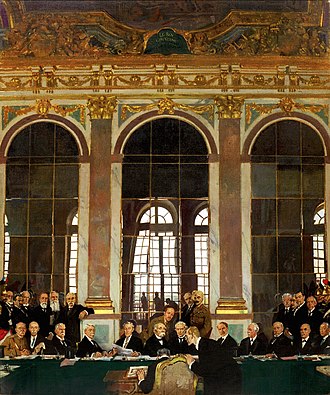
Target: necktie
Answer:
pixel 63 343
pixel 33 342
pixel 125 342
pixel 221 340
pixel 303 343
pixel 323 340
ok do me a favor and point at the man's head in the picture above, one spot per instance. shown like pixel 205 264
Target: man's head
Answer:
pixel 70 299
pixel 9 296
pixel 163 352
pixel 192 335
pixel 128 328
pixel 324 329
pixel 54 296
pixel 180 328
pixel 252 330
pixel 43 299
pixel 222 328
pixel 18 300
pixel 168 313
pixel 305 330
pixel 90 331
pixel 286 299
pixel 60 330
pixel 278 328
pixel 187 298
pixel 33 328
pixel 160 330
pixel 26 298
pixel 198 297
pixel 20 329
pixel 311 302
pixel 300 298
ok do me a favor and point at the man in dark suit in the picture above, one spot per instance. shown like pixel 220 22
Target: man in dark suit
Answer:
pixel 284 311
pixel 279 345
pixel 156 341
pixel 6 310
pixel 35 340
pixel 299 315
pixel 306 345
pixel 187 308
pixel 60 344
pixel 88 347
pixel 19 314
pixel 225 341
pixel 177 342
pixel 130 339
pixel 71 316
pixel 324 340
pixel 146 383
pixel 221 374
pixel 252 344
pixel 42 313
pixel 314 316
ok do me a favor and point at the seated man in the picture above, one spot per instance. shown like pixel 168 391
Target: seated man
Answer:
pixel 88 347
pixel 129 340
pixel 146 383
pixel 60 343
pixel 252 344
pixel 306 345
pixel 178 343
pixel 226 342
pixel 324 342
pixel 35 340
pixel 168 319
pixel 156 341
pixel 279 345
pixel 17 345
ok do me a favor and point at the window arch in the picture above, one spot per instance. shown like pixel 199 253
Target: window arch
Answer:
pixel 42 172
pixel 287 176
pixel 164 183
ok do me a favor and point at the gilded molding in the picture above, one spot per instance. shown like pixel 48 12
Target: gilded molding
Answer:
pixel 229 106
pixel 102 107
pixel 42 107
pixel 286 105
pixel 167 106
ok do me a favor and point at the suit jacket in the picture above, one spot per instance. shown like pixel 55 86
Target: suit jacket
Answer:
pixel 57 347
pixel 6 312
pixel 229 344
pixel 282 315
pixel 178 347
pixel 324 348
pixel 186 313
pixel 39 339
pixel 315 320
pixel 70 317
pixel 259 347
pixel 169 325
pixel 19 315
pixel 86 347
pixel 43 319
pixel 281 346
pixel 147 384
pixel 135 343
pixel 298 318
pixel 153 345
pixel 311 347
pixel 221 374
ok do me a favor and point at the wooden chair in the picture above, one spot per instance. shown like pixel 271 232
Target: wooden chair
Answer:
pixel 173 377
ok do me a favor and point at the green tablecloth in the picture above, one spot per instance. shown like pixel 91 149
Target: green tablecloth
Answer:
pixel 46 377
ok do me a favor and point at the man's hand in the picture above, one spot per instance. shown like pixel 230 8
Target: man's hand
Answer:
pixel 189 358
pixel 140 374
pixel 83 315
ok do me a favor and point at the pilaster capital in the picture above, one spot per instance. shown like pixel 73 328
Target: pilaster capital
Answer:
pixel 229 106
pixel 102 107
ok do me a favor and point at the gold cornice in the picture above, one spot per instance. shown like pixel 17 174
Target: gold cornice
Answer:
pixel 102 107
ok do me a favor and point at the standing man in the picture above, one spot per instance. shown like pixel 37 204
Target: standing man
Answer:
pixel 252 344
pixel 42 313
pixel 314 316
pixel 168 319
pixel 6 311
pixel 187 308
pixel 299 315
pixel 200 316
pixel 56 307
pixel 284 311
pixel 221 374
pixel 71 316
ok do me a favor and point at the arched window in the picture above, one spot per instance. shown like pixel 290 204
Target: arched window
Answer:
pixel 164 184
pixel 73 253
pixel 42 171
pixel 201 252
pixel 287 187
pixel 318 244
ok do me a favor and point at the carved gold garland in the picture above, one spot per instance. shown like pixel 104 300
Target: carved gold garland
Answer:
pixel 286 105
pixel 42 108
pixel 167 106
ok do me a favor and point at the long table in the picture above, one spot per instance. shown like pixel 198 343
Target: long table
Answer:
pixel 85 377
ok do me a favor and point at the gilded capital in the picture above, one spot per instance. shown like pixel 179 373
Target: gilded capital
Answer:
pixel 229 106
pixel 102 107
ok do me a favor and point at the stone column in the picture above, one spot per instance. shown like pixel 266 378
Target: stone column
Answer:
pixel 231 296
pixel 101 113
